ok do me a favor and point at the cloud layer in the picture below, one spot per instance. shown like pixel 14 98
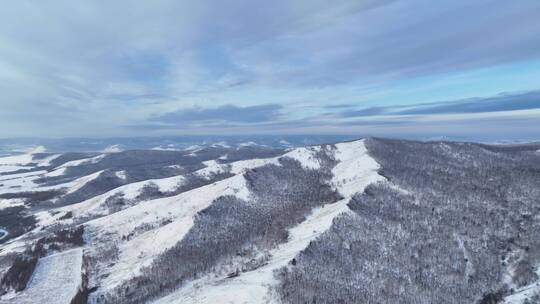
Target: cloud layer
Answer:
pixel 226 113
pixel 98 68
pixel 499 103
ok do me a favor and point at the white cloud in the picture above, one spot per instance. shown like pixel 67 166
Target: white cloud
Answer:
pixel 70 68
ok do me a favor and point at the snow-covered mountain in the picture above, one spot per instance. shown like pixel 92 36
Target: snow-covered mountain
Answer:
pixel 365 221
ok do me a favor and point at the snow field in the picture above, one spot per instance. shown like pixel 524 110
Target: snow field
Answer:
pixel 355 168
pixel 177 212
pixel 55 280
pixel 358 169
pixel 524 293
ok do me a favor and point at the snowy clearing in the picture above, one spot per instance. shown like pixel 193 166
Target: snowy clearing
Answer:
pixel 113 149
pixel 253 287
pixel 95 206
pixel 20 159
pixel 91 160
pixel 211 168
pixel 355 168
pixel 306 156
pixel 142 248
pixel 6 203
pixel 14 176
pixel 56 172
pixel 193 148
pixel 241 166
pixel 26 184
pixel 359 170
pixel 13 168
pixel 121 175
pixel 23 161
pixel 56 280
pixel 248 144
pixel 524 293
pixel 45 162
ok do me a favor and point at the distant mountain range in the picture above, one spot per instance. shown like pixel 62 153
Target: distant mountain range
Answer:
pixel 269 220
pixel 164 143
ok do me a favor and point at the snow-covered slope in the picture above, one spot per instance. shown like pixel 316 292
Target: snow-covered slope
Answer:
pixel 244 222
pixel 24 182
pixel 25 161
pixel 255 286
pixel 153 227
pixel 140 232
pixel 95 206
pixel 56 280
pixel 355 170
pixel 525 294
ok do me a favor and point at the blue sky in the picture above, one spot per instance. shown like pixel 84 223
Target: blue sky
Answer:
pixel 414 68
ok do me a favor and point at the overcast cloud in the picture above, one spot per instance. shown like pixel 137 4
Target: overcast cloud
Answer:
pixel 126 68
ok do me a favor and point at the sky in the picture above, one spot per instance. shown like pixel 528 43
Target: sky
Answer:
pixel 415 68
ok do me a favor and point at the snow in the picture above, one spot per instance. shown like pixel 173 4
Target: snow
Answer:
pixel 306 156
pixel 21 161
pixel 125 221
pixel 168 184
pixel 469 267
pixel 95 206
pixel 3 233
pixel 213 167
pixel 16 161
pixel 142 248
pixel 156 225
pixel 25 182
pixel 526 292
pixel 36 150
pixel 221 144
pixel 112 149
pixel 169 147
pixel 45 162
pixel 78 162
pixel 56 172
pixel 12 168
pixel 253 287
pixel 244 165
pixel 61 170
pixel 56 279
pixel 248 144
pixel 6 203
pixel 121 174
pixel 193 148
pixel 79 182
pixel 19 182
pixel 355 169
pixel 14 176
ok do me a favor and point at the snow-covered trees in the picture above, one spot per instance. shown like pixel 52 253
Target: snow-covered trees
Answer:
pixel 232 233
pixel 453 223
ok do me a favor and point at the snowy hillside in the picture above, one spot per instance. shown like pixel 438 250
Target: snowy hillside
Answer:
pixel 361 221
pixel 56 279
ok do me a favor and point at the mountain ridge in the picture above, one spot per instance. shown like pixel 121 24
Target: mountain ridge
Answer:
pixel 139 235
